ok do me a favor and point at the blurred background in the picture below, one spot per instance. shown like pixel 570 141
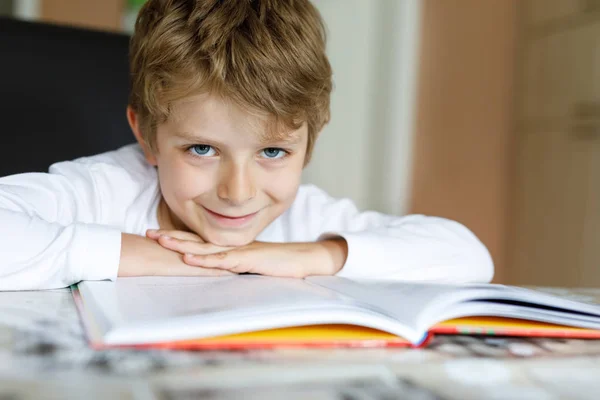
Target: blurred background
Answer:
pixel 483 111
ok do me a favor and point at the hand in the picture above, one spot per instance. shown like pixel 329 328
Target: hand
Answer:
pixel 295 260
pixel 142 256
pixel 154 234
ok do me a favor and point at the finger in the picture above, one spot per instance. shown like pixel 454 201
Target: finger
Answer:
pixel 226 260
pixel 155 234
pixel 186 246
pixel 182 235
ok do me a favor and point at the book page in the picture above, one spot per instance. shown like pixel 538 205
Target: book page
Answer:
pixel 149 298
pixel 406 302
pixel 166 308
pixel 420 305
pixel 158 309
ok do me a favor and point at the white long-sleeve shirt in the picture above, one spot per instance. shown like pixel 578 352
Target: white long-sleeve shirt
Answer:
pixel 65 226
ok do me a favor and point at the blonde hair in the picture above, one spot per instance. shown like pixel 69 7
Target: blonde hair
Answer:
pixel 268 56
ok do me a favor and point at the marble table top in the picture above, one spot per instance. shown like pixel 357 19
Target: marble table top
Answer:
pixel 44 354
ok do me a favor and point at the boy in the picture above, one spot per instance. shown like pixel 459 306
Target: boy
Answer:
pixel 226 103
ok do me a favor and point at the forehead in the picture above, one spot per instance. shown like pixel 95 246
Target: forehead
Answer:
pixel 219 117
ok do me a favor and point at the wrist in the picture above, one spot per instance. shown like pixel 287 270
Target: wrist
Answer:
pixel 335 251
pixel 141 256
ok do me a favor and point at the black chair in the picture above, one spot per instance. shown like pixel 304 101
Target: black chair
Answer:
pixel 63 94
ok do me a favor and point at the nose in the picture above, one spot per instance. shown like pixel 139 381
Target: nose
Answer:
pixel 236 185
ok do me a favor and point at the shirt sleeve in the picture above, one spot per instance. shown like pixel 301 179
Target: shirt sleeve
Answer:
pixel 51 231
pixel 413 247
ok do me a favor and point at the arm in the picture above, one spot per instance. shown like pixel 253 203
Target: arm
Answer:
pixel 50 235
pixel 413 247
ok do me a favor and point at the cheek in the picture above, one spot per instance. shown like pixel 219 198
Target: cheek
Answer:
pixel 282 186
pixel 182 181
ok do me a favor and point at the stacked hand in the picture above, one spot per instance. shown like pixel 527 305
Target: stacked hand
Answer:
pixel 295 260
pixel 141 256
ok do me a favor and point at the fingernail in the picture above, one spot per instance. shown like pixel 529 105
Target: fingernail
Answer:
pixel 166 237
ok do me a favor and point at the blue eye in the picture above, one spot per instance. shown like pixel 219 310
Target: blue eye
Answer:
pixel 203 150
pixel 273 152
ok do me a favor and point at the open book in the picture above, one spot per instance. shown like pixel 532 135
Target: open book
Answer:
pixel 256 311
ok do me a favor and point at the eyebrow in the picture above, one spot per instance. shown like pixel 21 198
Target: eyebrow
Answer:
pixel 189 136
pixel 265 140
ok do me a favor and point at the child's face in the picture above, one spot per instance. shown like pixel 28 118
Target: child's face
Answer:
pixel 219 177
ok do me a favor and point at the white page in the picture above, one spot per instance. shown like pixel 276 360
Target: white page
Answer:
pixel 421 305
pixel 148 309
pixel 153 309
pixel 147 298
pixel 533 314
pixel 546 299
pixel 406 302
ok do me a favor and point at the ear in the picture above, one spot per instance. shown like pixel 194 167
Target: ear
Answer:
pixel 133 120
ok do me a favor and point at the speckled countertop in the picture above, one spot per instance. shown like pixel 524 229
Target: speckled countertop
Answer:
pixel 43 354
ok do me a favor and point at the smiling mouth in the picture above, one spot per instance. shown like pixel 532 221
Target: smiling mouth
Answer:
pixel 229 216
pixel 228 220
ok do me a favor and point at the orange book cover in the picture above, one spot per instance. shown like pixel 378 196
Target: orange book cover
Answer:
pixel 312 336
pixel 328 336
pixel 511 327
pixel 348 336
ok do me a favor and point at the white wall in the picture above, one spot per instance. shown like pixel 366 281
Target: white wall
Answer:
pixel 26 9
pixel 365 151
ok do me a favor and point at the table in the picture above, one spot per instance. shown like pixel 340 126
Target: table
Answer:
pixel 43 354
